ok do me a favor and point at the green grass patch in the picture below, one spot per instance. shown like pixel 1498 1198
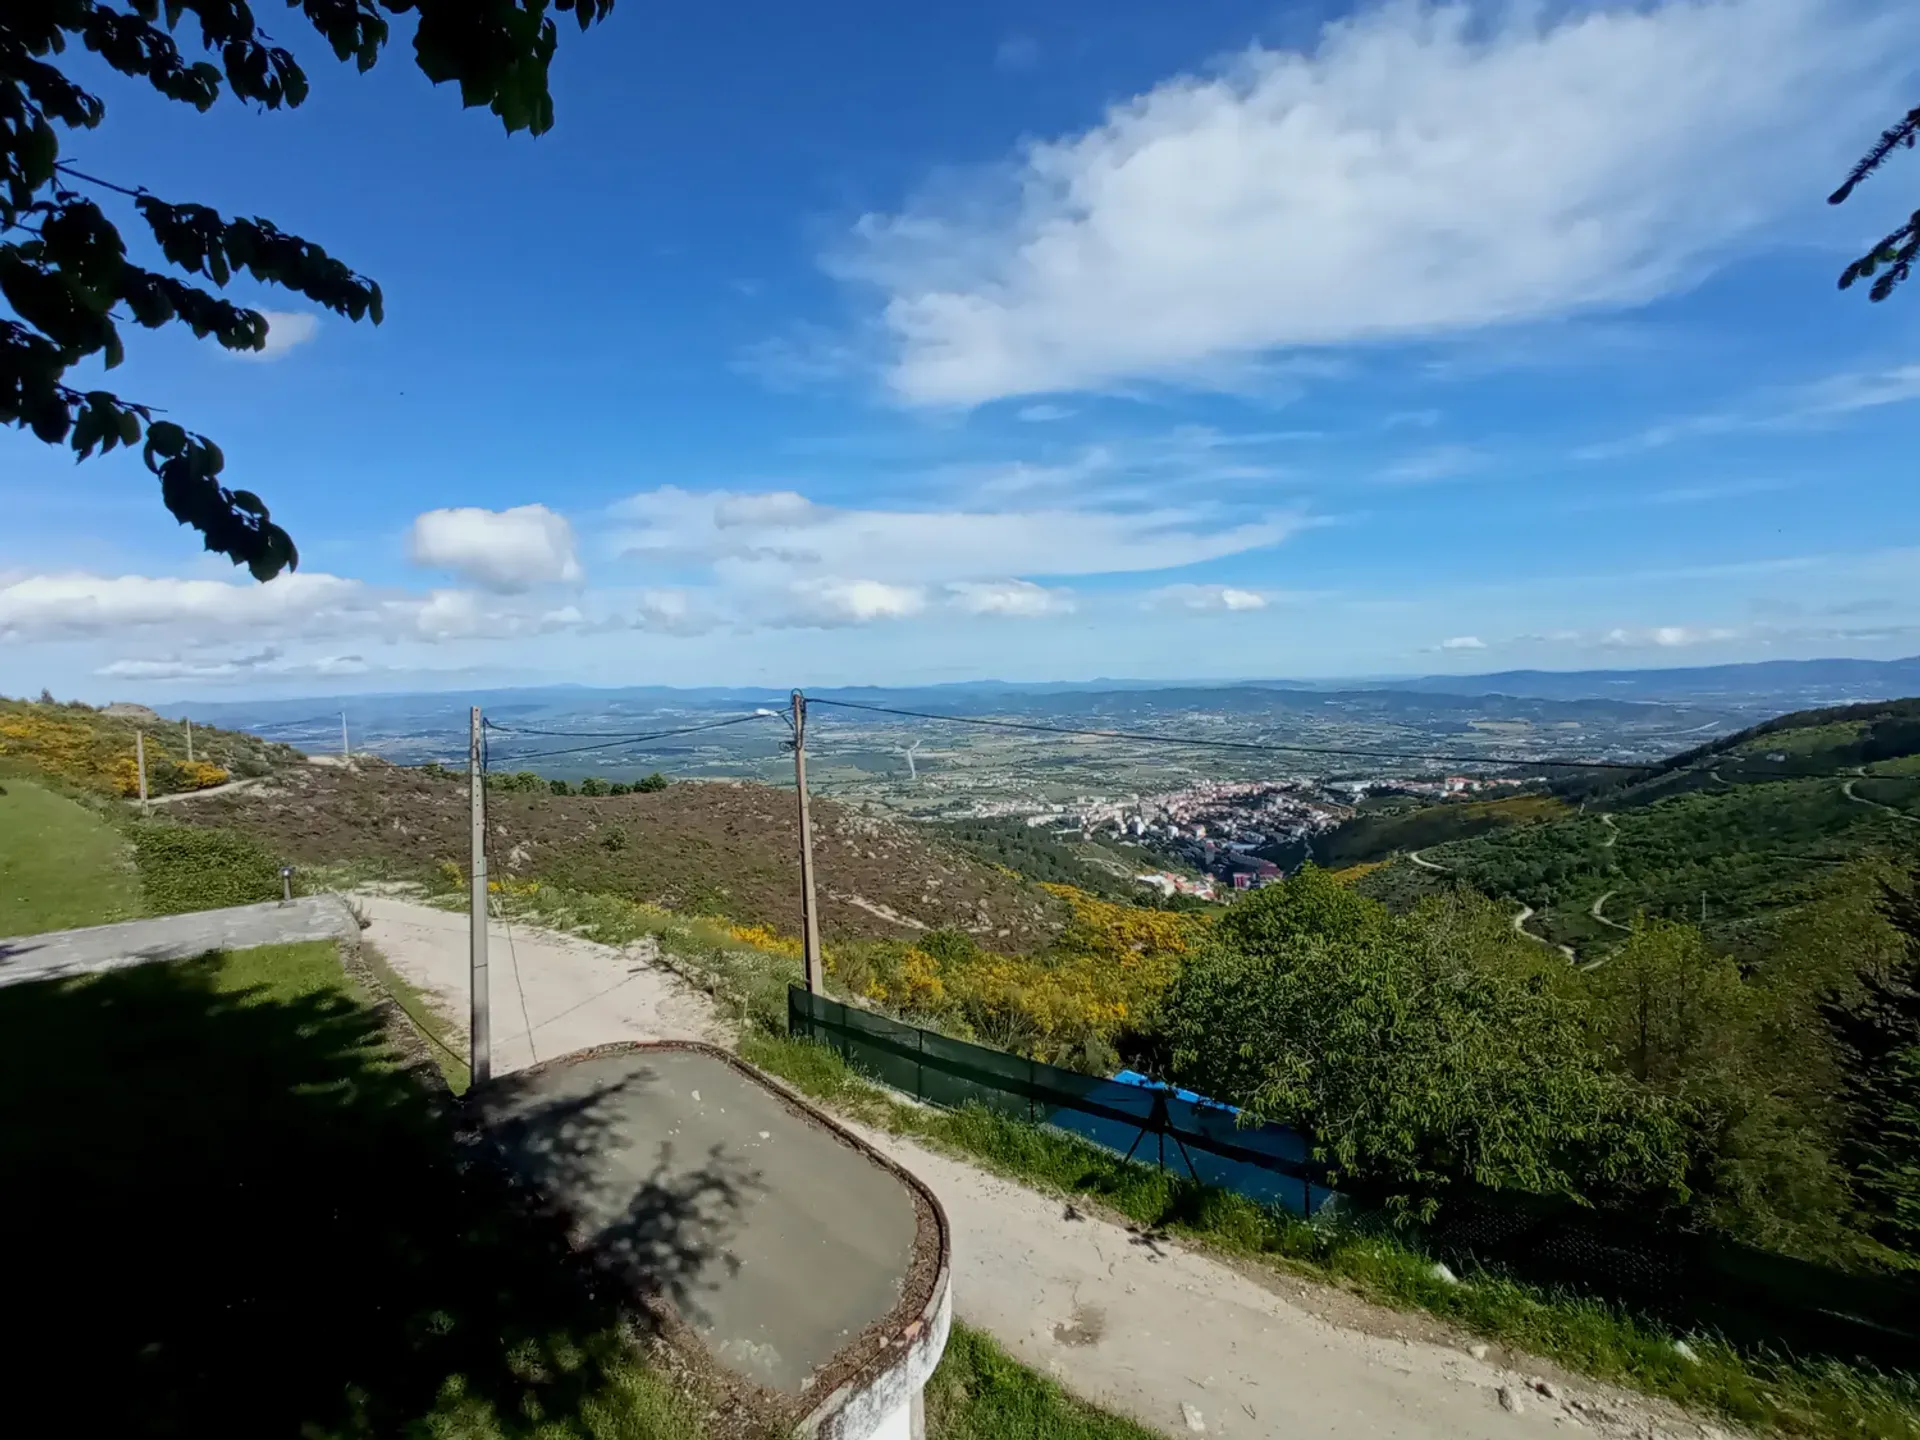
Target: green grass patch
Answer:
pixel 444 1040
pixel 1825 1400
pixel 248 1218
pixel 979 1392
pixel 61 864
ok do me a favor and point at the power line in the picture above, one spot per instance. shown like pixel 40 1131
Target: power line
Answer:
pixel 1257 745
pixel 604 741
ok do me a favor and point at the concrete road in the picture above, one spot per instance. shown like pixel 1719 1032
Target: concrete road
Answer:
pixel 1141 1326
pixel 61 954
pixel 577 994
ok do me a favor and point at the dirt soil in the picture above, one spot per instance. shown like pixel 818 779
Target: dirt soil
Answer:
pixel 698 847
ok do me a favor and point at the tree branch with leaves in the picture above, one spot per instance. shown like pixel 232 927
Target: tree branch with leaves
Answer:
pixel 64 270
pixel 1891 261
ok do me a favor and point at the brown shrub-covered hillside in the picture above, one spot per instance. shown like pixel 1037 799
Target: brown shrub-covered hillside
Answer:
pixel 698 847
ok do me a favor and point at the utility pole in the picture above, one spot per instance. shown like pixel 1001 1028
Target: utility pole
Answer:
pixel 140 764
pixel 189 742
pixel 345 753
pixel 809 912
pixel 480 1060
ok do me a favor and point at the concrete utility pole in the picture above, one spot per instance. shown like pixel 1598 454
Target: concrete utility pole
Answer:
pixel 480 1055
pixel 809 912
pixel 189 742
pixel 140 764
pixel 345 753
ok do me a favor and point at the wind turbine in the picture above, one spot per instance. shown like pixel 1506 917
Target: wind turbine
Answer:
pixel 913 775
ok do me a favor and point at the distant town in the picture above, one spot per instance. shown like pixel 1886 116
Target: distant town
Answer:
pixel 1220 828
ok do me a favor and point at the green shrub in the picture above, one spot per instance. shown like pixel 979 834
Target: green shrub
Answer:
pixel 190 867
pixel 653 782
pixel 619 787
pixel 593 785
pixel 559 787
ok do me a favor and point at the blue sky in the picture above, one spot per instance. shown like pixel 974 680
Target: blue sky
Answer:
pixel 819 345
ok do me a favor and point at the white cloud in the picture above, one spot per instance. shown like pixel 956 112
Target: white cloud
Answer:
pixel 265 663
pixel 1206 597
pixel 1463 642
pixel 79 605
pixel 465 615
pixel 1411 419
pixel 668 611
pixel 828 602
pixel 1843 394
pixel 285 330
pixel 1428 168
pixel 1802 407
pixel 501 550
pixel 301 606
pixel 771 541
pixel 1020 599
pixel 1042 413
pixel 1438 462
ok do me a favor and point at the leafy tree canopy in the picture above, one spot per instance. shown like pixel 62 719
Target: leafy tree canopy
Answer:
pixel 1890 261
pixel 64 269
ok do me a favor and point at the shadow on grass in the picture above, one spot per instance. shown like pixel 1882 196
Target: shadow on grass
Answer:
pixel 231 1211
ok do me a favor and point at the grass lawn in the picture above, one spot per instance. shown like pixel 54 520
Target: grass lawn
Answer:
pixel 61 865
pixel 979 1392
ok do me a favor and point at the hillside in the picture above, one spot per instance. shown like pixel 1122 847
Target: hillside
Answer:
pixel 94 749
pixel 1758 836
pixel 697 847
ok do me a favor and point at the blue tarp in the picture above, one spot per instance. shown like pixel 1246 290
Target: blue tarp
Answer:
pixel 1194 1112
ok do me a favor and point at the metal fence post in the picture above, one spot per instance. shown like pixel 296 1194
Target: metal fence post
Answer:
pixel 920 1065
pixel 1032 1081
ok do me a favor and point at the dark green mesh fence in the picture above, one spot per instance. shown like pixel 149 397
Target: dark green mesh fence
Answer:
pixel 1264 1162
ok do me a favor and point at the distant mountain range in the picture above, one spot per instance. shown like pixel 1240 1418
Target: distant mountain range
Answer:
pixel 1780 684
pixel 1764 687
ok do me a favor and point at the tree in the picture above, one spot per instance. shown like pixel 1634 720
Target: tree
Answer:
pixel 647 785
pixel 64 269
pixel 1896 252
pixel 1879 1036
pixel 1418 1052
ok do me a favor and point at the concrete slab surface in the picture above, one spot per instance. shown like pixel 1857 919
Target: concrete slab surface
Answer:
pixel 63 954
pixel 776 1242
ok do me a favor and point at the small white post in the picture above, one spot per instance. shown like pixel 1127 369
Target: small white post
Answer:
pixel 140 763
pixel 345 753
pixel 189 742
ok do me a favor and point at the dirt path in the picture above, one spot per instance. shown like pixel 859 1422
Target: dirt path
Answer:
pixel 1520 928
pixel 577 993
pixel 1595 912
pixel 1846 789
pixel 229 788
pixel 1613 833
pixel 1425 864
pixel 1132 1322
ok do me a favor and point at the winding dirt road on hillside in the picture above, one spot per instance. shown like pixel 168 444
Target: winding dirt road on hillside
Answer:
pixel 1846 789
pixel 1133 1321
